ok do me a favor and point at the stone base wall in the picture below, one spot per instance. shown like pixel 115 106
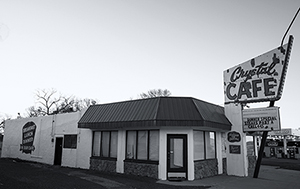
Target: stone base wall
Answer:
pixel 205 168
pixel 141 169
pixel 102 165
pixel 224 160
pixel 251 161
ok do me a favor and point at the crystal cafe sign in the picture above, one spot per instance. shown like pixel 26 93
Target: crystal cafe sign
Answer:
pixel 259 79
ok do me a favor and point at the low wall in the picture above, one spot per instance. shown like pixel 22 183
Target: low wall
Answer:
pixel 141 169
pixel 103 165
pixel 205 168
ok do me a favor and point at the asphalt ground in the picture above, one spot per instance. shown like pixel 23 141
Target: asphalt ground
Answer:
pixel 274 173
pixel 17 174
pixel 282 174
pixel 291 164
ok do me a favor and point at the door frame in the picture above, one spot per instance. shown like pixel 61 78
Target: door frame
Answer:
pixel 177 174
pixel 58 150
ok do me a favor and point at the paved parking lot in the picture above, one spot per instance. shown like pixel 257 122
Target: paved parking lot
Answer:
pixel 16 174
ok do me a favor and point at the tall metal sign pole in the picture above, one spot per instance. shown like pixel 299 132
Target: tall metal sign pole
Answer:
pixel 265 133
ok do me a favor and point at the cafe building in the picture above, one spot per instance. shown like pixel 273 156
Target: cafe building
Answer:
pixel 164 137
pixel 170 138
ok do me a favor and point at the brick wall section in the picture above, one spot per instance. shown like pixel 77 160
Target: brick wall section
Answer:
pixel 205 168
pixel 141 169
pixel 103 165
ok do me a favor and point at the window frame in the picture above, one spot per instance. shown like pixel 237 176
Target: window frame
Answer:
pixel 135 157
pixel 215 149
pixel 70 141
pixel 204 145
pixel 109 145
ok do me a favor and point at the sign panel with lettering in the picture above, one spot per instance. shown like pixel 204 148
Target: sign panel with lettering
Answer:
pixel 28 133
pixel 259 79
pixel 233 136
pixel 272 143
pixel 261 119
pixel 282 132
pixel 235 149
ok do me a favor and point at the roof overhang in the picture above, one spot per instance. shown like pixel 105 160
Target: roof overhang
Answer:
pixel 155 112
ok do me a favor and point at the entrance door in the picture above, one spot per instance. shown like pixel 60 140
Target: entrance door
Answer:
pixel 177 157
pixel 58 151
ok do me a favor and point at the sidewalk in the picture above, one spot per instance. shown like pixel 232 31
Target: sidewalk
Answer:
pixel 269 177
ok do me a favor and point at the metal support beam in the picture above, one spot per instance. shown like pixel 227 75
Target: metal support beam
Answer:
pixel 260 154
pixel 261 149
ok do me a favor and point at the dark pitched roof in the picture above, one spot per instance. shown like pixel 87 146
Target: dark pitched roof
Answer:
pixel 160 111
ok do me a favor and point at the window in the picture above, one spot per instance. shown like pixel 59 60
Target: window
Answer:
pixel 210 151
pixel 105 144
pixel 153 145
pixel 104 152
pixel 204 145
pixel 113 144
pixel 70 141
pixel 198 145
pixel 131 145
pixel 96 143
pixel 142 145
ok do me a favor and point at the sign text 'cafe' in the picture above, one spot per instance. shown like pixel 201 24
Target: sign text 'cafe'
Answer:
pixel 259 79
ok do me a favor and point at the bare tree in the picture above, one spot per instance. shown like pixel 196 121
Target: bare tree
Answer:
pixel 48 100
pixel 155 93
pixel 50 103
pixel 2 121
pixel 34 112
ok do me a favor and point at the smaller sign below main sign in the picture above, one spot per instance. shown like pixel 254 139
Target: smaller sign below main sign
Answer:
pixel 261 119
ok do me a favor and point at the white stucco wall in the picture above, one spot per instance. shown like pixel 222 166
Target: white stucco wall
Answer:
pixel 84 148
pixel 44 148
pixel 47 129
pixel 237 164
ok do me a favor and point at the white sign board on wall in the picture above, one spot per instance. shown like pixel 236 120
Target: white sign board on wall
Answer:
pixel 259 79
pixel 261 119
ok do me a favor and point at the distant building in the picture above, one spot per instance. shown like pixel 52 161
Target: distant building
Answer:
pixel 283 144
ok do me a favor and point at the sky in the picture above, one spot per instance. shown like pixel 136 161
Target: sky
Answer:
pixel 113 50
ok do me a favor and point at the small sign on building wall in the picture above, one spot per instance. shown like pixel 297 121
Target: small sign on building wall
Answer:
pixel 261 119
pixel 233 136
pixel 235 149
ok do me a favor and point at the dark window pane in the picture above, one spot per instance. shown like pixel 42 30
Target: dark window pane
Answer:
pixel 131 145
pixel 105 144
pixel 154 145
pixel 142 145
pixel 114 144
